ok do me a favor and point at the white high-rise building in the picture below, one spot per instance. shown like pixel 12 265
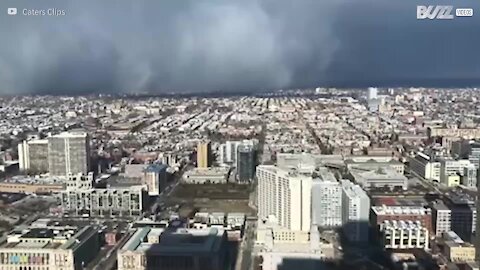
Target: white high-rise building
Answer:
pixel 326 200
pixel 68 152
pixel 372 93
pixel 231 151
pixel 355 212
pixel 222 154
pixel 286 195
pixel 33 156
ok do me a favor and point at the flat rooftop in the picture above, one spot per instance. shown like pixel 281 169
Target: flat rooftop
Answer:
pixel 400 210
pixel 117 181
pixel 48 238
pixel 207 171
pixel 180 240
pixel 399 201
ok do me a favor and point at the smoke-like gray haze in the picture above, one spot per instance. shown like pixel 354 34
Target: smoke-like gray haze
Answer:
pixel 213 45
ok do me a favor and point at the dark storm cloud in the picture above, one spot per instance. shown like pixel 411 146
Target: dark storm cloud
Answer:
pixel 204 45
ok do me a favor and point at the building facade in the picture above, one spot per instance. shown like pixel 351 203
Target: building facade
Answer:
pixel 49 248
pixel 246 161
pixel 286 195
pixel 68 152
pixel 423 166
pixel 450 167
pixel 469 176
pixel 33 156
pixel 79 181
pixel 231 148
pixel 404 235
pixel 155 177
pixel 457 250
pixel 355 212
pixel 326 200
pixel 117 201
pixel 407 214
pixel 204 154
pixel 441 218
pixel 37 188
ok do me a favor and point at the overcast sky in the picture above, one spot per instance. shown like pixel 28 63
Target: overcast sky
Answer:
pixel 215 45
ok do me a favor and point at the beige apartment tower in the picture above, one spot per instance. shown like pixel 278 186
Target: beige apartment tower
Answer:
pixel 204 154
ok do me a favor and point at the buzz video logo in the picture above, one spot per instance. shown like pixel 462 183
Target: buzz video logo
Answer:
pixel 442 12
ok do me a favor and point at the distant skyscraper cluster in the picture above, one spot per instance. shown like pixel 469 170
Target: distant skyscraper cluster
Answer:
pixel 372 93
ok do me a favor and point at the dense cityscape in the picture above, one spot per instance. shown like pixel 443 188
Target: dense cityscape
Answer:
pixel 377 178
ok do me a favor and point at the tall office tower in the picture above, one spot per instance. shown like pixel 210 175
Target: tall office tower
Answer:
pixel 155 177
pixel 33 156
pixel 326 200
pixel 68 152
pixel 204 154
pixel 355 212
pixel 372 93
pixel 286 195
pixel 246 161
pixel 231 151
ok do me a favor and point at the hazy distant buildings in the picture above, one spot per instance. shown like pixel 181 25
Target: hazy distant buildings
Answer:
pixel 326 200
pixel 286 195
pixel 373 102
pixel 68 152
pixel 372 93
pixel 355 212
pixel 33 156
pixel 246 161
pixel 204 154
